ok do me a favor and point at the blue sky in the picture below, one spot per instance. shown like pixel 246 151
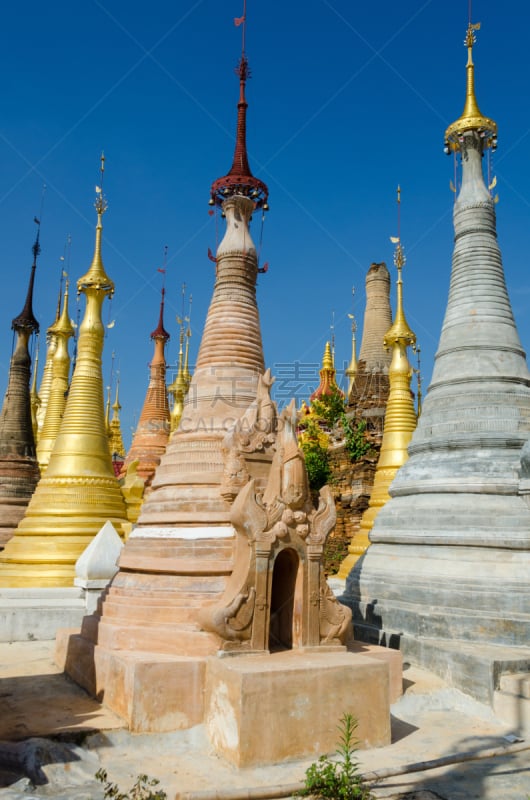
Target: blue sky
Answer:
pixel 346 100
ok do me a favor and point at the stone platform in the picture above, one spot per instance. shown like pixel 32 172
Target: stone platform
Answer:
pixel 164 692
pixel 37 614
pixel 258 709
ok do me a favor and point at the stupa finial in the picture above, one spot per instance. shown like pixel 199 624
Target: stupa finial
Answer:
pixel 239 179
pixel 471 119
pixel 160 332
pixel 96 277
pixel 400 330
pixel 26 319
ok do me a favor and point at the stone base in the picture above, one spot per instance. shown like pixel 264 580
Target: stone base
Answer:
pixel 37 614
pixel 153 693
pixel 511 702
pixel 264 709
pixel 394 659
pixel 474 668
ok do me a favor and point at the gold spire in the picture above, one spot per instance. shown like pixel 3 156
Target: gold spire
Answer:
pixel 471 119
pixel 400 417
pixel 328 384
pixel 107 412
pixel 327 360
pixel 62 330
pixel 117 448
pixel 179 387
pixel 34 399
pixel 96 277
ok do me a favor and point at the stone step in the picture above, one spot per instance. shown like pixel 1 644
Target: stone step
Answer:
pixel 120 597
pixel 149 613
pixel 451 623
pixel 36 615
pixel 170 639
pixel 517 683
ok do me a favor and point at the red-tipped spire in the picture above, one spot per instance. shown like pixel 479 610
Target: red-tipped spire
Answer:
pixel 26 319
pixel 239 179
pixel 160 332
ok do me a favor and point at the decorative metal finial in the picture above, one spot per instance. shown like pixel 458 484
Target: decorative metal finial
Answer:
pixel 400 330
pixel 240 180
pixel 160 332
pixel 472 118
pixel 352 315
pixel 101 202
pixel 399 255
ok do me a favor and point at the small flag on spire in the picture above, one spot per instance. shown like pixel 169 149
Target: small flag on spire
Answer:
pixel 239 21
pixel 159 269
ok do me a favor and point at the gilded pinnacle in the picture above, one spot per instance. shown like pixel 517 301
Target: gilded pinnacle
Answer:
pixel 96 277
pixel 63 326
pixel 471 119
pixel 327 361
pixel 400 332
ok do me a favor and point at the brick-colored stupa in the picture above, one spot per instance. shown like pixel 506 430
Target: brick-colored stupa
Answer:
pixel 19 472
pixel 152 433
pixel 180 555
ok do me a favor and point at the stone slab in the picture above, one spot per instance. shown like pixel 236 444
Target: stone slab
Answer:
pixel 394 659
pixel 259 709
pixel 474 669
pixel 37 614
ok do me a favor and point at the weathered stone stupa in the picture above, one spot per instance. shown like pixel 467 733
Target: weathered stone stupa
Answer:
pixel 400 422
pixel 446 575
pixel 152 433
pixel 79 491
pixel 19 472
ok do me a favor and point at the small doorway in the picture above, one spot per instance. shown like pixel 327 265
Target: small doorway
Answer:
pixel 282 600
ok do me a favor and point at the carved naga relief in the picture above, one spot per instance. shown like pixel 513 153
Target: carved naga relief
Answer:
pixel 255 431
pixel 277 596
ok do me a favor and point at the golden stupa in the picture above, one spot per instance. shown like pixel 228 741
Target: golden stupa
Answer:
pixel 79 491
pixel 61 330
pixel 34 399
pixel 400 420
pixel 117 448
pixel 180 386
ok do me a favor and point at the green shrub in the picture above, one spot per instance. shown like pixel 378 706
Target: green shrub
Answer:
pixel 355 440
pixel 338 778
